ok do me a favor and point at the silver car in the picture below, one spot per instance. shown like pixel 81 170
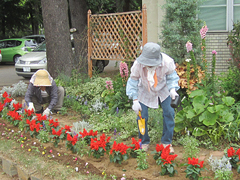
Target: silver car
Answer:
pixel 0 56
pixel 29 63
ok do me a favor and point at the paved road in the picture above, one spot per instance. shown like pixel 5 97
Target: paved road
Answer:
pixel 9 77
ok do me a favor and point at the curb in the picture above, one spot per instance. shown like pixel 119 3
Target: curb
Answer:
pixel 13 169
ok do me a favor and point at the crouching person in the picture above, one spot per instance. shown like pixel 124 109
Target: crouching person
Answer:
pixel 42 89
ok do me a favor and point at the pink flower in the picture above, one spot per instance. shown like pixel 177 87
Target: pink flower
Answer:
pixel 189 46
pixel 214 52
pixel 203 32
pixel 123 69
pixel 109 85
pixel 50 151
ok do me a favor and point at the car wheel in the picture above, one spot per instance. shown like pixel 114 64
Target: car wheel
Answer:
pixel 100 66
pixel 15 58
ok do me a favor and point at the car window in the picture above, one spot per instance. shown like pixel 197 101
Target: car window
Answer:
pixel 10 43
pixel 2 44
pixel 30 43
pixel 41 47
pixel 18 43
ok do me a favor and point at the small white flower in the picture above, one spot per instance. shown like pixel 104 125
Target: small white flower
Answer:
pixel 188 60
pixel 76 169
pixel 12 130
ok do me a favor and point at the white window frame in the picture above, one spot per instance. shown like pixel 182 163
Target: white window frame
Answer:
pixel 229 15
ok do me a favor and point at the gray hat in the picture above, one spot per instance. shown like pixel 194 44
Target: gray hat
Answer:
pixel 151 55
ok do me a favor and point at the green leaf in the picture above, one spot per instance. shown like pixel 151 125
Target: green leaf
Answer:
pixel 190 114
pixel 170 169
pixel 208 118
pixel 196 93
pixel 199 132
pixel 200 103
pixel 229 101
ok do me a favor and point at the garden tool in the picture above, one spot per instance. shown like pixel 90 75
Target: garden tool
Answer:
pixel 141 124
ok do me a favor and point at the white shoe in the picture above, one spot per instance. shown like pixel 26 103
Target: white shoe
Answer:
pixel 171 148
pixel 145 147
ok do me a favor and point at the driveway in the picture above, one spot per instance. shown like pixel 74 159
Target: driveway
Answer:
pixel 9 77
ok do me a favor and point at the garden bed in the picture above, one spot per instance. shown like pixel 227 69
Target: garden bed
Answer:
pixel 88 165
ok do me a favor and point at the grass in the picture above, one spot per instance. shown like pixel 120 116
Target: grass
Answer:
pixel 34 163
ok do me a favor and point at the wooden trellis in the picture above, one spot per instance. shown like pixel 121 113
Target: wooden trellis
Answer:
pixel 117 36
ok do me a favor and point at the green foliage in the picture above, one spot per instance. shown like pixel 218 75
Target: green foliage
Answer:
pixel 155 124
pixel 106 122
pixel 141 159
pixel 190 145
pixel 179 26
pixel 223 175
pixel 116 97
pixel 206 116
pixel 233 43
pixel 193 172
pixel 230 82
pixel 43 136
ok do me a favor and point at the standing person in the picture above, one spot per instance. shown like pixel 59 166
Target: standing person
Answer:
pixel 42 89
pixel 153 81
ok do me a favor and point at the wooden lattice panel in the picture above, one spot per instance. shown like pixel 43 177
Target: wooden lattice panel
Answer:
pixel 116 36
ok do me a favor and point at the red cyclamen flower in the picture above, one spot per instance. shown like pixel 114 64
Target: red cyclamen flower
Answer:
pixel 17 106
pixel 194 162
pixel 230 152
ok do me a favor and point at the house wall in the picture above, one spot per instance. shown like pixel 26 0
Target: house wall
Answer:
pixel 214 41
pixel 218 42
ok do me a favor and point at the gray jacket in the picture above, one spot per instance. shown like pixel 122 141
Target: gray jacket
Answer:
pixel 36 91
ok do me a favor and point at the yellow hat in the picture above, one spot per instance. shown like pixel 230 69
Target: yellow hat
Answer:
pixel 42 78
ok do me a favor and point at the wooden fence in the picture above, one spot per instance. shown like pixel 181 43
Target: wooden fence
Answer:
pixel 117 36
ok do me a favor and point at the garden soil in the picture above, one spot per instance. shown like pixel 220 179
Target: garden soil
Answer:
pixel 104 166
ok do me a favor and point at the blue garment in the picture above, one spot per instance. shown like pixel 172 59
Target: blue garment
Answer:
pixel 168 122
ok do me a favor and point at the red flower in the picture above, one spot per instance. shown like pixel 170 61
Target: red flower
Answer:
pixel 67 128
pixel 58 133
pixel 121 147
pixel 230 152
pixel 7 100
pixel 238 153
pixel 95 144
pixel 33 126
pixel 90 133
pixel 41 118
pixel 1 107
pixel 136 143
pixel 73 140
pixel 53 123
pixel 159 147
pixel 194 162
pixel 5 95
pixel 14 115
pixel 28 112
pixel 17 106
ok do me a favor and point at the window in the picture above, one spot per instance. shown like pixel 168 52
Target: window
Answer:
pixel 219 15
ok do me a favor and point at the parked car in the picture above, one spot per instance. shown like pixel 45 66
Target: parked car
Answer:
pixel 12 49
pixel 29 63
pixel 39 38
pixel 0 56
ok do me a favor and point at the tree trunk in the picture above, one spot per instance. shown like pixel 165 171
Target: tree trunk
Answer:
pixel 56 25
pixel 78 11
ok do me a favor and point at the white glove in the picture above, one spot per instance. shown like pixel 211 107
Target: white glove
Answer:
pixel 136 106
pixel 173 93
pixel 30 106
pixel 46 112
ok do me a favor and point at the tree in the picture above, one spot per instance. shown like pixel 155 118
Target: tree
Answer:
pixel 78 12
pixel 179 26
pixel 56 25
